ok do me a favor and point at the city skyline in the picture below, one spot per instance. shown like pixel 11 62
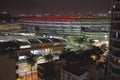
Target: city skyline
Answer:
pixel 54 7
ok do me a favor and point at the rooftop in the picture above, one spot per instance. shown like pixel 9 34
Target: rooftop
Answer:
pixel 60 18
pixel 23 42
pixel 76 69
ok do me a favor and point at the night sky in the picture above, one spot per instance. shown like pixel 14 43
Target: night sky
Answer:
pixel 55 6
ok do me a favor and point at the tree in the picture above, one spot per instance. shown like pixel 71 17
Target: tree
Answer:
pixel 67 52
pixel 94 51
pixel 97 50
pixel 81 39
pixel 48 57
pixel 8 46
pixel 31 60
pixel 91 41
pixel 103 47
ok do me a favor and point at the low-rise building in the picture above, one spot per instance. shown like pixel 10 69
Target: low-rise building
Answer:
pixel 10 27
pixel 50 70
pixel 75 72
pixel 8 66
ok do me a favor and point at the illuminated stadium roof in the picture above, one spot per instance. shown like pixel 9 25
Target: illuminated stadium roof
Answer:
pixel 28 42
pixel 57 18
pixel 36 19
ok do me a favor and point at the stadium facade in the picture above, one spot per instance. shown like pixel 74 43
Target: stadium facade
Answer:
pixel 64 25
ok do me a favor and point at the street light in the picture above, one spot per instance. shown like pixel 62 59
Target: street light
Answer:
pixel 19 79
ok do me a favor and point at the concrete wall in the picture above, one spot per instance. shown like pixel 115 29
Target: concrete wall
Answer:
pixel 7 68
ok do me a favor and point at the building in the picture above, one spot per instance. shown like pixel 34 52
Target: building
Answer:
pixel 114 48
pixel 35 45
pixel 53 72
pixel 5 17
pixel 8 66
pixel 70 68
pixel 9 28
pixel 64 25
pixel 75 72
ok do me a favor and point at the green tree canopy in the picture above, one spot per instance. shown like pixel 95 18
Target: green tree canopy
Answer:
pixel 48 57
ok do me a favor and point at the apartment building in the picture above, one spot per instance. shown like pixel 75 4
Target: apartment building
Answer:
pixel 114 51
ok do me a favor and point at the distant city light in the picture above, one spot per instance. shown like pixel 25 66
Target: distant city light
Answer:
pixel 36 51
pixel 51 36
pixel 22 57
pixel 23 47
pixel 105 36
